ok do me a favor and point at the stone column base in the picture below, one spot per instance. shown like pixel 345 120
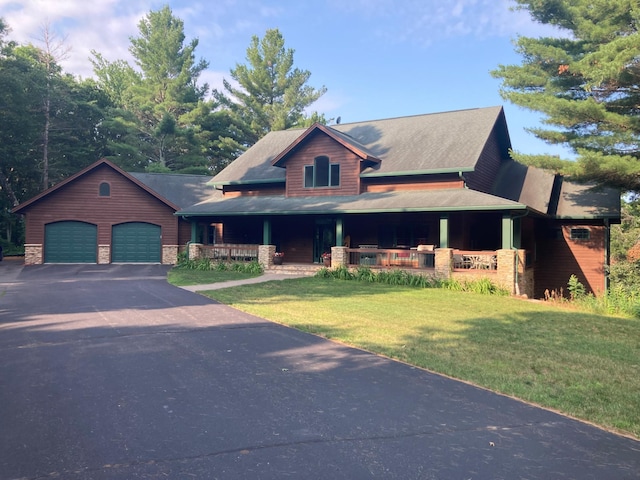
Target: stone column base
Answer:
pixel 33 254
pixel 339 256
pixel 169 254
pixel 265 255
pixel 104 254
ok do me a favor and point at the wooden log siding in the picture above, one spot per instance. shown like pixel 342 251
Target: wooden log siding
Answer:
pixel 322 145
pixel 231 191
pixel 79 201
pixel 406 184
pixel 561 257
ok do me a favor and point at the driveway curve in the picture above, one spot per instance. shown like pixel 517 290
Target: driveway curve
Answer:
pixel 108 372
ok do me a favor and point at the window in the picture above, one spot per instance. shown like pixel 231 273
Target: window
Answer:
pixel 580 234
pixel 104 190
pixel 322 173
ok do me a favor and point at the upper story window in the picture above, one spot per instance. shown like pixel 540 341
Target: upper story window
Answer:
pixel 104 190
pixel 322 173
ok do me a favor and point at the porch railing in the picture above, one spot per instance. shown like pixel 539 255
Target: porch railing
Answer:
pixel 230 252
pixel 416 258
pixel 475 260
pixel 391 257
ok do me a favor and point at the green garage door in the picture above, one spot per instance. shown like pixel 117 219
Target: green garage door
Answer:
pixel 70 242
pixel 135 242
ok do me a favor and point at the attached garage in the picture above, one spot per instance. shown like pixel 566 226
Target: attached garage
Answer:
pixel 103 214
pixel 136 242
pixel 70 242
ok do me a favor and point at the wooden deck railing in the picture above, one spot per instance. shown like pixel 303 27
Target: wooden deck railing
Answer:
pixel 414 258
pixel 391 257
pixel 475 260
pixel 231 252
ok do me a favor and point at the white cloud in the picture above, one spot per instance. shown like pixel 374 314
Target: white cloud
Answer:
pixel 427 21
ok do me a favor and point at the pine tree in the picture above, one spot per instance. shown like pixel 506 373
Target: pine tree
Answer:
pixel 272 94
pixel 586 81
pixel 152 126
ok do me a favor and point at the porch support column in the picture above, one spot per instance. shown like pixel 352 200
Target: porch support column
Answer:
pixel 193 247
pixel 339 232
pixel 266 231
pixel 194 232
pixel 444 231
pixel 507 231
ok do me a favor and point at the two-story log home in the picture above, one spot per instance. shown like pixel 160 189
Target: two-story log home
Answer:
pixel 436 192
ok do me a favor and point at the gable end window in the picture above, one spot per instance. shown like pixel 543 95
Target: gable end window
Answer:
pixel 104 190
pixel 322 173
pixel 580 234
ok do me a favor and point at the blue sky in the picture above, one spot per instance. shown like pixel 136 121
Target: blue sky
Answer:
pixel 377 58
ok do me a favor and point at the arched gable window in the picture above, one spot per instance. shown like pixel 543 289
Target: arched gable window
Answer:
pixel 104 190
pixel 322 173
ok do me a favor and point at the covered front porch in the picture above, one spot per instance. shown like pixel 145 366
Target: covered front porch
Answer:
pixel 464 245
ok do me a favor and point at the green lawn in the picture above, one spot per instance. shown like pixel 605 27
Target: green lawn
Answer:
pixel 585 365
pixel 182 277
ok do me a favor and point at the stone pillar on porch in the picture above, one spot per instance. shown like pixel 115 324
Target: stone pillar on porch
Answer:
pixel 443 262
pixel 511 272
pixel 506 274
pixel 33 254
pixel 339 257
pixel 265 255
pixel 195 251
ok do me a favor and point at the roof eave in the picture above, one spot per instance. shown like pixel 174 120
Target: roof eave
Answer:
pixel 354 211
pixel 433 171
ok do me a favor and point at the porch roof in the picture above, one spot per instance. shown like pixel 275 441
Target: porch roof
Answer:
pixel 446 200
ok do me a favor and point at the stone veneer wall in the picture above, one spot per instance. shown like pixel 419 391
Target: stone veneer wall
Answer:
pixel 339 256
pixel 194 251
pixel 169 254
pixel 104 254
pixel 33 254
pixel 265 255
pixel 443 262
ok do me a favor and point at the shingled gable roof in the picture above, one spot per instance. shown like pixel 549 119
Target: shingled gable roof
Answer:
pixel 420 144
pixel 345 140
pixel 130 177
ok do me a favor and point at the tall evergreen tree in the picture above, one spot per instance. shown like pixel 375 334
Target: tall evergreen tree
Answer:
pixel 151 128
pixel 586 81
pixel 272 94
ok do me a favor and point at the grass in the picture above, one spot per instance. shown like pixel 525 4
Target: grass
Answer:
pixel 582 364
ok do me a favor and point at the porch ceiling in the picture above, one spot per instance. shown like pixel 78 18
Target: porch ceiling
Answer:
pixel 379 202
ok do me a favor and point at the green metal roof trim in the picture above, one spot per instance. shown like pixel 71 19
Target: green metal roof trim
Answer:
pixel 448 200
pixel 438 142
pixel 407 173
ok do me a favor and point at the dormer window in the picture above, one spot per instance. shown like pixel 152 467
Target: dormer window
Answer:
pixel 104 190
pixel 322 173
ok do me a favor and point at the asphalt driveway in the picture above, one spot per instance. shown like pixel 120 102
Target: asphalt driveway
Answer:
pixel 108 372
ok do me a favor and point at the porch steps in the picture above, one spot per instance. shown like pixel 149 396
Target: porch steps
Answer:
pixel 294 269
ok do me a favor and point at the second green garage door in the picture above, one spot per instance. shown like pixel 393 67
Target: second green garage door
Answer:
pixel 136 242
